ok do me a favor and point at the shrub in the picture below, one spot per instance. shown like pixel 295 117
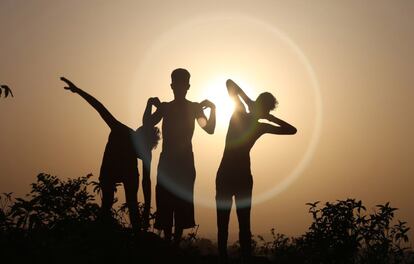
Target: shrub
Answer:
pixel 58 221
pixel 343 232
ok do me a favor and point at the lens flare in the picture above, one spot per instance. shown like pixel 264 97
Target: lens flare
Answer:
pixel 215 88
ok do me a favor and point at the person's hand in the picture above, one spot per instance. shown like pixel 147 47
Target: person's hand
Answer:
pixel 155 101
pixel 231 85
pixel 206 103
pixel 70 86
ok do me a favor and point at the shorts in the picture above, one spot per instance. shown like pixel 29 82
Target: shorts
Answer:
pixel 175 191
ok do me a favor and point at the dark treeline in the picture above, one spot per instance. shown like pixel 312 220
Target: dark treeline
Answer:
pixel 58 221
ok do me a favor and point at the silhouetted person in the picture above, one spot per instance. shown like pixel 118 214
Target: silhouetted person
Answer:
pixel 7 91
pixel 176 172
pixel 234 176
pixel 119 162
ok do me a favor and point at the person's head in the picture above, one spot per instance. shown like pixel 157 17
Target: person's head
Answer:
pixel 148 137
pixel 264 103
pixel 180 82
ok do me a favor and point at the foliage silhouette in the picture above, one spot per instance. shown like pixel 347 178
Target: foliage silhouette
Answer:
pixel 343 232
pixel 7 91
pixel 58 221
pixel 53 202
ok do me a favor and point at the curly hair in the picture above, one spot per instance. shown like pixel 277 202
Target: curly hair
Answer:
pixel 266 101
pixel 148 137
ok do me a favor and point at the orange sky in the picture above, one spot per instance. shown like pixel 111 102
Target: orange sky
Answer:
pixel 359 52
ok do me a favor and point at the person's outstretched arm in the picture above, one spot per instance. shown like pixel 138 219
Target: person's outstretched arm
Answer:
pixel 235 91
pixel 103 112
pixel 209 125
pixel 283 127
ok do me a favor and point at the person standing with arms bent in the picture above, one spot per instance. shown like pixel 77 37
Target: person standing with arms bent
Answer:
pixel 176 171
pixel 234 176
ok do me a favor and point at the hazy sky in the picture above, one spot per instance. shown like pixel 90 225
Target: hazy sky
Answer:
pixel 359 52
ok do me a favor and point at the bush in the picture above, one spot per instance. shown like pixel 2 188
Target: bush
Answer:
pixel 53 202
pixel 58 221
pixel 342 232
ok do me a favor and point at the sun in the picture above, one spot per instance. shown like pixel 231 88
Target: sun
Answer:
pixel 215 90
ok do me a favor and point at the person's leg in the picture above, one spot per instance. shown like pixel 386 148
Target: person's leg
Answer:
pixel 178 233
pixel 167 233
pixel 184 171
pixel 183 213
pixel 131 192
pixel 179 218
pixel 223 204
pixel 164 213
pixel 108 190
pixel 243 205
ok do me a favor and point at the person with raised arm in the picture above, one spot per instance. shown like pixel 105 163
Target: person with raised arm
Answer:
pixel 234 177
pixel 176 172
pixel 119 163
